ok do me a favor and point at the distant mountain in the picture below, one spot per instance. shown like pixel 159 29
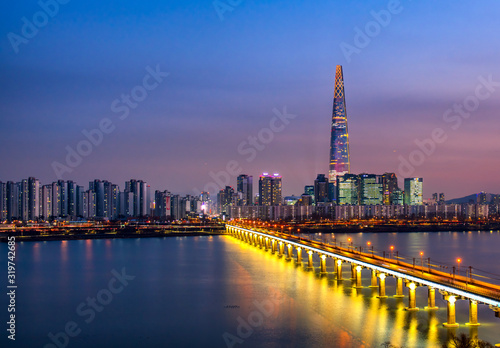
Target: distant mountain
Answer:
pixel 474 198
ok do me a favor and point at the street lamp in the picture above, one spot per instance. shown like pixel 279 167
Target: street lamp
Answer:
pixel 392 249
pixel 459 260
pixel 422 261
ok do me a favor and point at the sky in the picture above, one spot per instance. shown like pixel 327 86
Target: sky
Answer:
pixel 188 94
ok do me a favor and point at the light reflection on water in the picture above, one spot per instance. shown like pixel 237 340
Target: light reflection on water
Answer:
pixel 358 317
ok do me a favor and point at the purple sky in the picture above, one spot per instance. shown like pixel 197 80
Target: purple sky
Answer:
pixel 229 71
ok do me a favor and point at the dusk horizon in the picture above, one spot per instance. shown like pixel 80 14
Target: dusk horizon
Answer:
pixel 396 94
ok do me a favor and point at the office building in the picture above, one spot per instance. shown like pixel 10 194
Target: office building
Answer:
pixel 413 191
pixel 339 143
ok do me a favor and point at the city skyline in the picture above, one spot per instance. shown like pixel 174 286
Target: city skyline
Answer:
pixel 167 138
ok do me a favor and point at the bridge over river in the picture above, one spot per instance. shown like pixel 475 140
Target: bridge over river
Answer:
pixel 451 286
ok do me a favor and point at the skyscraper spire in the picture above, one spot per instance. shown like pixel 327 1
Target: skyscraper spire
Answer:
pixel 340 161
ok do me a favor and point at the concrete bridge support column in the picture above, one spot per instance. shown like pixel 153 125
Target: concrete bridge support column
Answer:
pixel 273 246
pixel 374 282
pixel 381 286
pixel 299 256
pixel 339 269
pixel 412 300
pixel 266 243
pixel 310 259
pixel 281 249
pixel 289 252
pixel 431 298
pixel 473 313
pixel 322 264
pixel 399 287
pixel 353 271
pixel 451 321
pixel 358 277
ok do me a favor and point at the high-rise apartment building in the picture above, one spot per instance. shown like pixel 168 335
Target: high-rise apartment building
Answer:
pixel 270 189
pixel 244 185
pixel 3 201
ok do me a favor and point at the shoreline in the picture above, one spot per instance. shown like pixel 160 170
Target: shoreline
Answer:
pixel 83 236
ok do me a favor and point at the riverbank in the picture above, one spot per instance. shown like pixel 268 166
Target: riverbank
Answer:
pixel 20 237
pixel 391 228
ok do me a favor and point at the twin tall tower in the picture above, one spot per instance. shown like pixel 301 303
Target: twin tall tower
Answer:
pixel 340 161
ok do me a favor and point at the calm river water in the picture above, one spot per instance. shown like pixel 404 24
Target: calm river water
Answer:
pixel 220 292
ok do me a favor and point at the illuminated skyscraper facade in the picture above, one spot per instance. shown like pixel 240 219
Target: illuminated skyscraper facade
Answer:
pixel 340 162
pixel 413 191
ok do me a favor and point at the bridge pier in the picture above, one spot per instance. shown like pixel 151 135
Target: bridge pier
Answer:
pixel 289 252
pixel 381 286
pixel 322 264
pixel 358 277
pixel 273 246
pixel 451 321
pixel 374 282
pixel 299 256
pixel 339 269
pixel 266 243
pixel 473 313
pixel 353 271
pixel 431 298
pixel 412 300
pixel 310 264
pixel 399 287
pixel 281 248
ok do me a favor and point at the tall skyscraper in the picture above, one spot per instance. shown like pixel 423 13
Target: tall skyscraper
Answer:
pixel 270 189
pixel 244 185
pixel 414 191
pixel 389 183
pixel 321 188
pixel 340 161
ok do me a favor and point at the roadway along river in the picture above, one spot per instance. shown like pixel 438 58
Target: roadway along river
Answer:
pixel 220 292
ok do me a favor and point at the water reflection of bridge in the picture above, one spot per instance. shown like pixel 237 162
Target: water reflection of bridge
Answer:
pixel 453 287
